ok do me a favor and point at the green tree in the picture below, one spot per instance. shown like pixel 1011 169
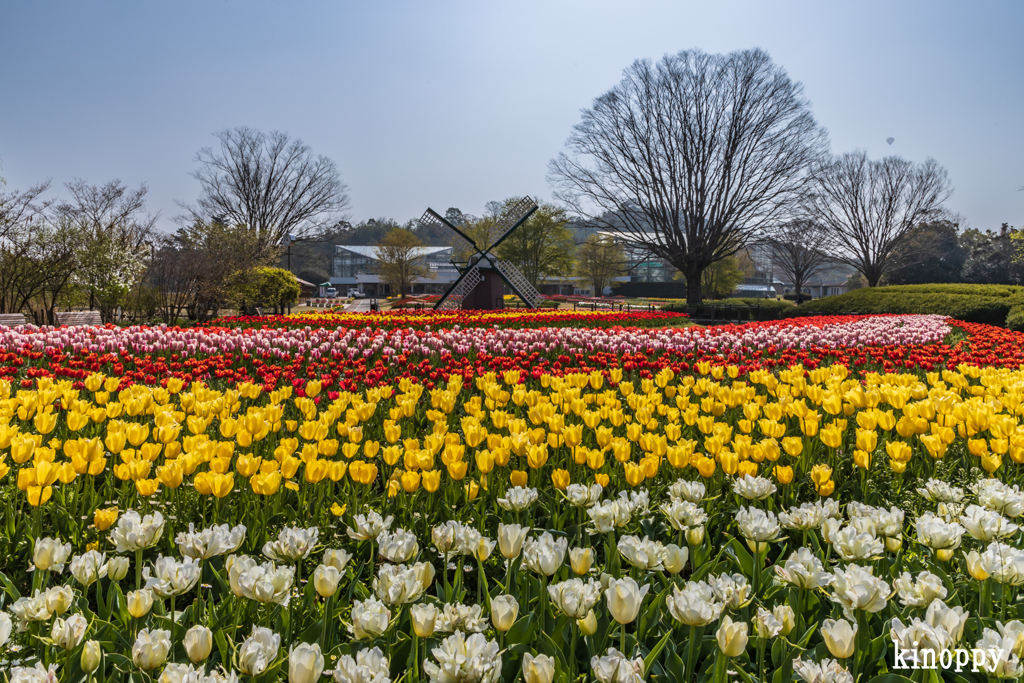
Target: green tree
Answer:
pixel 929 253
pixel 541 247
pixel 400 262
pixel 600 260
pixel 720 278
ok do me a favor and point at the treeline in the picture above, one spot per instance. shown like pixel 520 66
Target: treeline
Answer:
pixel 940 253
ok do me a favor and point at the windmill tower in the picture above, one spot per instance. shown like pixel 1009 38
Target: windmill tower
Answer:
pixel 479 285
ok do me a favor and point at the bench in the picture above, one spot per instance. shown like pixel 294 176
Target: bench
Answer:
pixel 11 319
pixel 79 318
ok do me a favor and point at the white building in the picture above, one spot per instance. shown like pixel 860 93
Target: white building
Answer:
pixel 358 267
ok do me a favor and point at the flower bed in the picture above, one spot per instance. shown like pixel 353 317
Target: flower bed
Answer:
pixel 618 516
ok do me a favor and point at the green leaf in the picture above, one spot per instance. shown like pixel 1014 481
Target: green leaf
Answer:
pixel 890 678
pixel 741 557
pixel 653 654
pixel 523 631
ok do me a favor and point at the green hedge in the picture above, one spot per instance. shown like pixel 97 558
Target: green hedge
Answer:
pixel 990 304
pixel 770 308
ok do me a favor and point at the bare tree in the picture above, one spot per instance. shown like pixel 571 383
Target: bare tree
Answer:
pixel 797 249
pixel 692 155
pixel 271 184
pixel 867 207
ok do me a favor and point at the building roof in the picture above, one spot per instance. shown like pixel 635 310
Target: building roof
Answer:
pixel 370 251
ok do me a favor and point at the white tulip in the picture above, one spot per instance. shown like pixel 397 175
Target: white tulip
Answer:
pixel 170 577
pixel 986 525
pixel 753 488
pixel 539 669
pixel 117 568
pixel 401 584
pixel 50 554
pixel 135 532
pixel 424 619
pixel 675 558
pixel 398 546
pixel 336 558
pixel 732 590
pixel 624 598
pixel 855 588
pixel 804 518
pixel 694 605
pixel 804 570
pixel 510 539
pixel 198 643
pixel 765 624
pixel 457 617
pixel 732 637
pixel 292 544
pixel 504 610
pixel 840 637
pixel 326 580
pixel 139 602
pixel 6 625
pixel 583 496
pixel 305 663
pixel 370 619
pixel 545 555
pixel 211 542
pixel 581 560
pixel 615 667
pixel 828 671
pixel 919 593
pixel 266 583
pixel 151 648
pixel 518 498
pixel 462 658
pixel 643 554
pixel 89 567
pixel 67 634
pixel 368 666
pixel 369 526
pixel 574 598
pixel 938 534
pixel 939 491
pixel 690 491
pixel 684 515
pixel 258 651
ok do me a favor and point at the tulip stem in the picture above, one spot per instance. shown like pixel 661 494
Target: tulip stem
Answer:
pixel 138 569
pixel 622 640
pixel 691 654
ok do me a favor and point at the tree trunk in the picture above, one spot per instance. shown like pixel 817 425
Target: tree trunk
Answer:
pixel 693 297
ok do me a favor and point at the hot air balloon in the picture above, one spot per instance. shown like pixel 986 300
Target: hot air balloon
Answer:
pixel 890 141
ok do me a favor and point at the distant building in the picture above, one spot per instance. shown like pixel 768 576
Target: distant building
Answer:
pixel 358 267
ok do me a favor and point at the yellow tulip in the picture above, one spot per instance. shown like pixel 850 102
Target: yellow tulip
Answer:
pixel 289 466
pixel 706 466
pixel 518 478
pixel 39 495
pixel 827 488
pixel 104 518
pixel 560 479
pixel 316 471
pixel 266 483
pixel 147 487
pixel 831 436
pixel 867 440
pixel 899 450
pixel 431 480
pixel 410 481
pixel 784 474
pixel 338 510
pixel 793 445
pixel 862 459
pixel 170 475
pixel 991 462
pixel 45 422
pixel 457 469
pixel 820 474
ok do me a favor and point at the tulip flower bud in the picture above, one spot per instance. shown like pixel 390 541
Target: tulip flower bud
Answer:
pixel 424 617
pixel 624 597
pixel 975 567
pixel 504 610
pixel 893 543
pixel 59 599
pixel 588 625
pixel 151 647
pixel 785 616
pixel 198 643
pixel 732 637
pixel 695 536
pixel 539 669
pixel 140 602
pixel 675 560
pixel 325 580
pixel 90 656
pixel 944 554
pixel 305 663
pixel 840 637
pixel 581 560
pixel 67 634
pixel 117 568
pixel 510 540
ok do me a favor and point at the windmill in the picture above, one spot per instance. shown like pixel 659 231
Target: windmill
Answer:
pixel 479 285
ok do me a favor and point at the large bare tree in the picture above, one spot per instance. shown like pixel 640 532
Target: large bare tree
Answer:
pixel 692 155
pixel 273 185
pixel 868 206
pixel 798 250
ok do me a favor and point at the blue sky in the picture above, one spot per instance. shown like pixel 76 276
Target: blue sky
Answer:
pixel 457 103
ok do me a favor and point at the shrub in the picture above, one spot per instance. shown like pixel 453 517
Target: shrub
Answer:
pixel 990 304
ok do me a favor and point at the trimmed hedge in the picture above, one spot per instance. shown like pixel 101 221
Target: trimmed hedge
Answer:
pixel 771 308
pixel 989 304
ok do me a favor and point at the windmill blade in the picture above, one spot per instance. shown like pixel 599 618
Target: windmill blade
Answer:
pixel 462 286
pixel 510 219
pixel 432 219
pixel 519 284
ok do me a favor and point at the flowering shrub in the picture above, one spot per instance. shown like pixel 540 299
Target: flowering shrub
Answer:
pixel 636 520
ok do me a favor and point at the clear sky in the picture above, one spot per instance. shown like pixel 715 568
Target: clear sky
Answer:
pixel 457 103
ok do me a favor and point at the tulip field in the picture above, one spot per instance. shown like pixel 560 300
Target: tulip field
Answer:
pixel 545 497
